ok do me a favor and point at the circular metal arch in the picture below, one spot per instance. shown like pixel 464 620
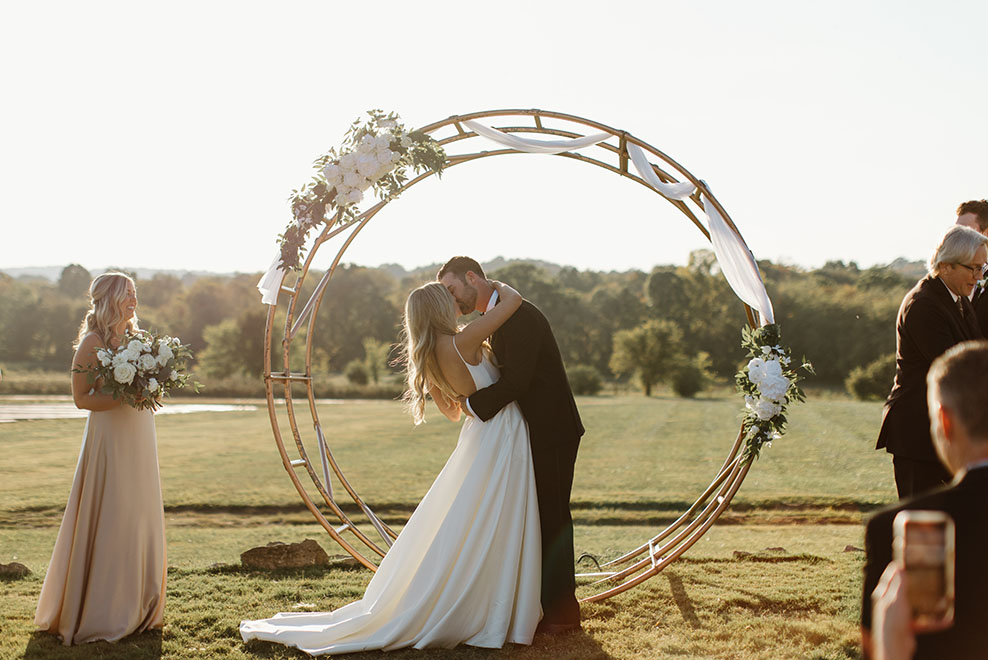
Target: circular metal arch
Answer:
pixel 364 535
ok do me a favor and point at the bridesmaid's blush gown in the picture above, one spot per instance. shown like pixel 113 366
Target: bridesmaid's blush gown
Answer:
pixel 106 579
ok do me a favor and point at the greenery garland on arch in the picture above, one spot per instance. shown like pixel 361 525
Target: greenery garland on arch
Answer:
pixel 376 154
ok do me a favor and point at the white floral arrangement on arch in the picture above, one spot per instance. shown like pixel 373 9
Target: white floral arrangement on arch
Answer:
pixel 376 154
pixel 769 383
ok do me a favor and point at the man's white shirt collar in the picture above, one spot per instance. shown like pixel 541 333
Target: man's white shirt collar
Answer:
pixel 953 296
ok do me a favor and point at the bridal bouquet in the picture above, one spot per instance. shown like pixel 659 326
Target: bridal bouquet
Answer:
pixel 143 370
pixel 769 384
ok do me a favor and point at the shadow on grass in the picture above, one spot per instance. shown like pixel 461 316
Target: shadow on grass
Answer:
pixel 145 646
pixel 682 600
pixel 595 512
pixel 572 645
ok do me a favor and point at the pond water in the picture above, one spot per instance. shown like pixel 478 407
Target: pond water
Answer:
pixel 13 410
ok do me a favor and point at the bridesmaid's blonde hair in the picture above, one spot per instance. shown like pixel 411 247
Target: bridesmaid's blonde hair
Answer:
pixel 105 294
pixel 430 312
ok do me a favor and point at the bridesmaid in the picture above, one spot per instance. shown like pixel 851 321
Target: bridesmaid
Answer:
pixel 106 579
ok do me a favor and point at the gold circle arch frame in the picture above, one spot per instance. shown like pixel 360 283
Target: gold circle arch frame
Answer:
pixel 363 534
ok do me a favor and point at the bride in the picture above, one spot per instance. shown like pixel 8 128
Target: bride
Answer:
pixel 466 568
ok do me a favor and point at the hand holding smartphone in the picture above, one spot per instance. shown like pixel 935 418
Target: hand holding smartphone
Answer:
pixel 923 547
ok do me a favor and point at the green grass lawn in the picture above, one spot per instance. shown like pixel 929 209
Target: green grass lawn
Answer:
pixel 641 463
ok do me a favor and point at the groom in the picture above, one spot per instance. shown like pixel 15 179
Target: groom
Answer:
pixel 532 374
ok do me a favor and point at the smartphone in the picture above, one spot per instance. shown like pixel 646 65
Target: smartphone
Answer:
pixel 923 546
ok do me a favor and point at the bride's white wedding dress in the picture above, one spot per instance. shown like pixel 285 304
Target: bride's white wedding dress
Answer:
pixel 466 568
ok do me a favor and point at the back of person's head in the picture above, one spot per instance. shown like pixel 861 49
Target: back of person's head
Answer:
pixel 958 380
pixel 958 246
pixel 979 209
pixel 459 266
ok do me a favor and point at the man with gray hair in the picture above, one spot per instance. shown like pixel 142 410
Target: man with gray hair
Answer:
pixel 934 315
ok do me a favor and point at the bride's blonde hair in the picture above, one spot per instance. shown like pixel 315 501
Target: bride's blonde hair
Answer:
pixel 430 312
pixel 105 294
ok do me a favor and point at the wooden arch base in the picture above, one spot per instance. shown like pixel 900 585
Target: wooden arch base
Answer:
pixel 312 457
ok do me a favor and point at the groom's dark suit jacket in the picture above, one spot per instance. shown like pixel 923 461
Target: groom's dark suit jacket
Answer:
pixel 929 322
pixel 532 374
pixel 965 501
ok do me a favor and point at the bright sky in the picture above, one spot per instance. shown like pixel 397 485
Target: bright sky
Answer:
pixel 169 135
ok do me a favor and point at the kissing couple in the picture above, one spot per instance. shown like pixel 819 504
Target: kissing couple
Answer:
pixel 487 556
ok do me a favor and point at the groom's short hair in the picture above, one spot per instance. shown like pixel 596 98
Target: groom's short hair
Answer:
pixel 459 267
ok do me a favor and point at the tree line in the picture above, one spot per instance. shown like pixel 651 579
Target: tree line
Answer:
pixel 678 325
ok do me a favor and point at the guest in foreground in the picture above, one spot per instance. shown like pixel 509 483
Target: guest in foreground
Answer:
pixel 934 315
pixel 106 579
pixel 957 384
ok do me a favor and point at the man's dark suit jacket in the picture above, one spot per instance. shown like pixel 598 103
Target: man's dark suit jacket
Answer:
pixel 967 503
pixel 980 303
pixel 928 323
pixel 532 374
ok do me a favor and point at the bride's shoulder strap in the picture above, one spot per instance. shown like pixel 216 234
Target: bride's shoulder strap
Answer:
pixel 457 349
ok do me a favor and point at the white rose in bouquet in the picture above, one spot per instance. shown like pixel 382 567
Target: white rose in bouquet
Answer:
pixel 348 161
pixel 164 354
pixel 354 196
pixel 104 356
pixel 405 141
pixel 173 375
pixel 147 363
pixel 152 385
pixel 120 358
pixel 124 373
pixel 135 346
